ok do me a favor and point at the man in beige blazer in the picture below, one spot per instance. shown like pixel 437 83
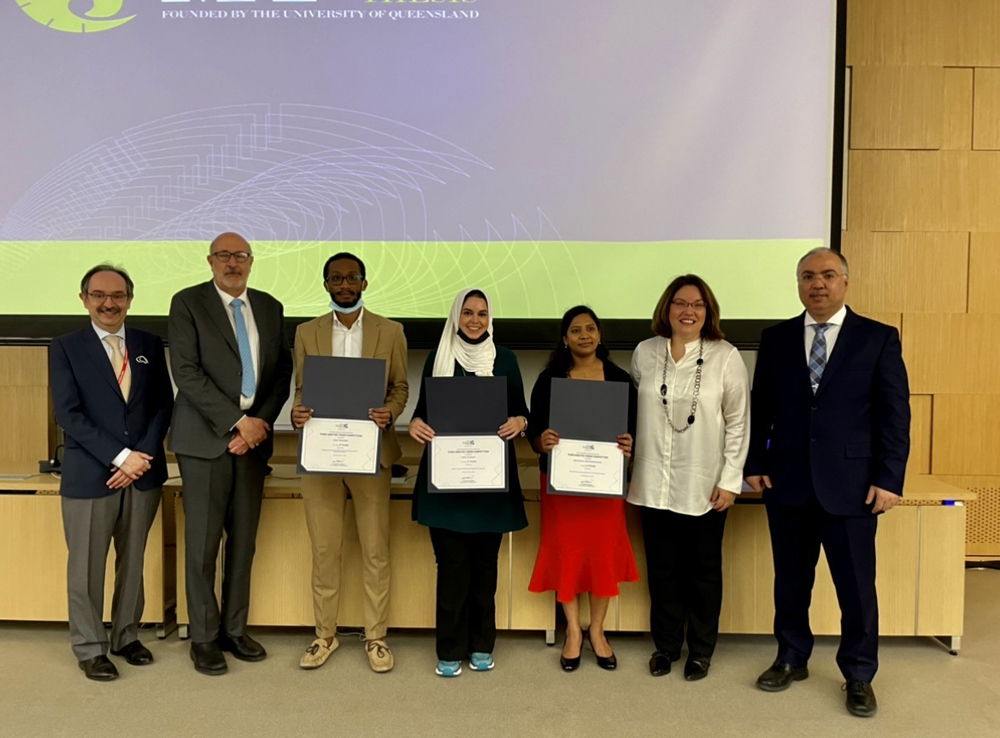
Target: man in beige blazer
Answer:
pixel 351 331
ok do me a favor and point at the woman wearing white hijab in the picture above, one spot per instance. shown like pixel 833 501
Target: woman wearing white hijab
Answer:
pixel 467 528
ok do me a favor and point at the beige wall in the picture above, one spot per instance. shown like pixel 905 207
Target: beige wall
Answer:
pixel 923 224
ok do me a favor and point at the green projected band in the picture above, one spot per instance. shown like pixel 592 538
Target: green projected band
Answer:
pixel 525 279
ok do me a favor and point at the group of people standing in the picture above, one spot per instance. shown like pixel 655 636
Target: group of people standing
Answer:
pixel 827 446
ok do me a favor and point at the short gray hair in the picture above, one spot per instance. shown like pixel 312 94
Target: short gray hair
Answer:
pixel 824 250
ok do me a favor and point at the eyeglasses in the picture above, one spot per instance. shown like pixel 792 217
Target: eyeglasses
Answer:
pixel 683 304
pixel 339 279
pixel 102 296
pixel 827 277
pixel 241 256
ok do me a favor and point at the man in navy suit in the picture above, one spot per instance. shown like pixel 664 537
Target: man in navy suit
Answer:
pixel 829 439
pixel 112 396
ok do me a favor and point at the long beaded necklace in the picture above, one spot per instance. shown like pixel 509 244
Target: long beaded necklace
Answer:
pixel 697 387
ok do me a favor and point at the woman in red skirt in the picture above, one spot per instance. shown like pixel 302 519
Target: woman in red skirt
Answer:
pixel 585 546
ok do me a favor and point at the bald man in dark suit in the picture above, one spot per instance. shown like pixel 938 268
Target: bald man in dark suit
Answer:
pixel 232 365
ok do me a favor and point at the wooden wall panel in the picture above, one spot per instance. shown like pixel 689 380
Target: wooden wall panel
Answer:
pixel 897 107
pixel 26 440
pixel 24 395
pixel 921 407
pixel 928 32
pixel 986 120
pixel 929 271
pixel 966 435
pixel 956 127
pixel 923 191
pixel 954 354
pixel 24 366
pixel 893 319
pixel 984 273
pixel 894 32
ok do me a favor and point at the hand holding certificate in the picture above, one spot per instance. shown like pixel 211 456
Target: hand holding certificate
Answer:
pixel 466 454
pixel 338 435
pixel 587 420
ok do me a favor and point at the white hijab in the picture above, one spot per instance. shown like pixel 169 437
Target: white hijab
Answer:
pixel 475 358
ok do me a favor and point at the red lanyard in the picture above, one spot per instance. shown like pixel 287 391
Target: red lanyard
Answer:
pixel 121 374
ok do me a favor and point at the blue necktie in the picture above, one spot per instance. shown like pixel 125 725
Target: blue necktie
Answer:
pixel 817 355
pixel 243 341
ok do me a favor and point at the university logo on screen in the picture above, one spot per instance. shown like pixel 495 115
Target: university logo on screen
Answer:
pixel 57 15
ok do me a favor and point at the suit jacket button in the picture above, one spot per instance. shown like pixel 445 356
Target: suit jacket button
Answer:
pixel 239 374
pixel 126 433
pixel 812 440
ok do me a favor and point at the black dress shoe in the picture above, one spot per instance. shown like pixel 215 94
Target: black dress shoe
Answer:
pixel 568 664
pixel 659 663
pixel 135 653
pixel 242 647
pixel 208 659
pixel 99 668
pixel 860 698
pixel 609 663
pixel 696 667
pixel 780 676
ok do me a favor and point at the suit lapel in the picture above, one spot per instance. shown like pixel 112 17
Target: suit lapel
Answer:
pixel 217 311
pixel 138 369
pixel 798 358
pixel 369 336
pixel 260 319
pixel 95 351
pixel 840 350
pixel 324 337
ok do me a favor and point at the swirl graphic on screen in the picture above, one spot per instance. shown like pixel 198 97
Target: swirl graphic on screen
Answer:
pixel 57 15
pixel 297 181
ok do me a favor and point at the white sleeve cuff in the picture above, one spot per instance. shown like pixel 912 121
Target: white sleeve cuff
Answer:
pixel 120 458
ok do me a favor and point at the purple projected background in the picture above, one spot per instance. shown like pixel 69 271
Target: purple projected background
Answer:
pixel 646 120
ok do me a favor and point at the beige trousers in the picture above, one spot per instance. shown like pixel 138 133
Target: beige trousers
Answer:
pixel 325 500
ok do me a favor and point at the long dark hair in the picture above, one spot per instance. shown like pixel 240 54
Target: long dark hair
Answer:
pixel 561 359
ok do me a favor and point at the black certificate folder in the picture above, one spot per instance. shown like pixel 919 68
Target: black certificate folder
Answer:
pixel 337 387
pixel 470 410
pixel 589 411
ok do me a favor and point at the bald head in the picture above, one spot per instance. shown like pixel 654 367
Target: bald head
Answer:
pixel 231 259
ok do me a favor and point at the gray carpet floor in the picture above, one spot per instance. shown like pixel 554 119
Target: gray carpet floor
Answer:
pixel 922 690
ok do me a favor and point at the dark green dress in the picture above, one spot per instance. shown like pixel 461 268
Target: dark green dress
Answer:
pixel 475 512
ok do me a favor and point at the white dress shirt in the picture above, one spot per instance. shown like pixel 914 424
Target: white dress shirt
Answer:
pixel 680 471
pixel 347 341
pixel 247 310
pixel 101 334
pixel 835 322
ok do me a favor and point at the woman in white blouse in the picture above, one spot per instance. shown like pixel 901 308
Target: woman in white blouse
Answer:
pixel 691 441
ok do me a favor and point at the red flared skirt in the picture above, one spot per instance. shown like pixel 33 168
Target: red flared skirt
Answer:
pixel 585 547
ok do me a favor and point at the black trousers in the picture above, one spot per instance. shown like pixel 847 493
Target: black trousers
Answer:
pixel 466 592
pixel 224 493
pixel 849 544
pixel 684 573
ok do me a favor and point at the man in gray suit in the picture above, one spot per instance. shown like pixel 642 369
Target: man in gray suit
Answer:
pixel 232 365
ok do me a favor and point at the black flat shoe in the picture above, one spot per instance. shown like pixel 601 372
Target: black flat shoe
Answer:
pixel 208 658
pixel 609 663
pixel 242 647
pixel 99 668
pixel 780 676
pixel 135 653
pixel 696 667
pixel 860 698
pixel 659 663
